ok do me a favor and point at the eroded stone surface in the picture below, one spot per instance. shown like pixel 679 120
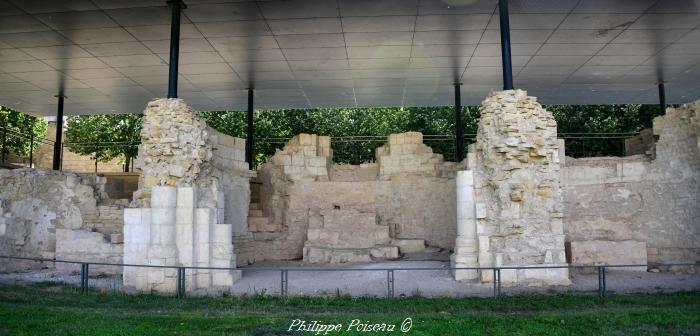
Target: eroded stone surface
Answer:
pixel 638 198
pixel 50 214
pixel 518 195
pixel 193 192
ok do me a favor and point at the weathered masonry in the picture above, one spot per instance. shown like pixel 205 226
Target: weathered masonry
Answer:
pixel 516 200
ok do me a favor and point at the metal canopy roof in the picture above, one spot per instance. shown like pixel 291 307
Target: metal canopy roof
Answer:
pixel 112 55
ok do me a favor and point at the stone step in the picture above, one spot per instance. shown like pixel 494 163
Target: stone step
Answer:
pixel 409 245
pixel 255 213
pixel 254 206
pixel 258 223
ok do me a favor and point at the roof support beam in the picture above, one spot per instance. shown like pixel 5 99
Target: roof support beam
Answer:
pixel 177 6
pixel 58 144
pixel 662 97
pixel 459 128
pixel 249 142
pixel 505 45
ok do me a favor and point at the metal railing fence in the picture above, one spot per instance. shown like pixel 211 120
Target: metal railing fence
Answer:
pixel 346 149
pixel 601 271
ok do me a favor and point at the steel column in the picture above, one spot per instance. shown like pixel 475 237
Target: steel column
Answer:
pixel 31 150
pixel 4 143
pixel 177 6
pixel 459 128
pixel 662 97
pixel 505 45
pixel 249 143
pixel 58 144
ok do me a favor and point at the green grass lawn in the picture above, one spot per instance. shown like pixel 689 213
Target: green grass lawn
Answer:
pixel 48 309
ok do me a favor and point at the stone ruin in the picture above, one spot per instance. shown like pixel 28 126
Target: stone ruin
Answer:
pixel 515 201
pixel 192 186
pixel 320 212
pixel 510 203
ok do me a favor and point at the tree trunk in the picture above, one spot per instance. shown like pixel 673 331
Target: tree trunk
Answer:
pixel 126 165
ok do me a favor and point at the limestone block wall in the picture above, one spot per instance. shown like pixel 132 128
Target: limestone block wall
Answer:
pixel 306 156
pixel 415 204
pixel 173 147
pixel 338 236
pixel 406 153
pixel 652 202
pixel 518 194
pixel 47 214
pixel 193 191
pixel 174 232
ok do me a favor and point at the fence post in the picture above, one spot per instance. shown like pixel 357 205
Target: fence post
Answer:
pixel 602 290
pixel 284 280
pixel 390 283
pixel 496 282
pixel 605 285
pixel 31 150
pixel 84 272
pixel 180 282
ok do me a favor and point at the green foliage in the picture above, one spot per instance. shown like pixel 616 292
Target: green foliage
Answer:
pixel 104 137
pixel 270 125
pixel 590 119
pixel 368 127
pixel 20 129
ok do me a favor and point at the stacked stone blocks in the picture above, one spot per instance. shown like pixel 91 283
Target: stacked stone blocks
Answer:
pixel 306 156
pixel 406 153
pixel 518 195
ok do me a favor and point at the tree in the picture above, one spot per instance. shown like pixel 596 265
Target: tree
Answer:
pixel 105 137
pixel 18 130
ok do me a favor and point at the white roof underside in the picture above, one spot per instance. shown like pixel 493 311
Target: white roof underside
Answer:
pixel 112 55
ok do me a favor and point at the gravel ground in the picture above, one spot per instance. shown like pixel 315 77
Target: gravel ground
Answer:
pixel 435 283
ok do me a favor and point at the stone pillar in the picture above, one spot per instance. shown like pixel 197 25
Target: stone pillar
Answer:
pixel 465 252
pixel 518 194
pixel 178 215
pixel 162 250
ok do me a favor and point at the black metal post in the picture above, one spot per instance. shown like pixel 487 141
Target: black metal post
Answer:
pixel 84 272
pixel 180 282
pixel 4 143
pixel 662 97
pixel 177 6
pixel 58 144
pixel 496 282
pixel 505 45
pixel 31 150
pixel 459 128
pixel 390 283
pixel 249 145
pixel 284 280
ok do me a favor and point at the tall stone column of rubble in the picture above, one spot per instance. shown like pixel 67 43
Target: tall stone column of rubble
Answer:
pixel 518 194
pixel 465 251
pixel 178 215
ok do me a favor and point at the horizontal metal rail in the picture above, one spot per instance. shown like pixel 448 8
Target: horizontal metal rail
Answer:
pixel 390 276
pixel 333 269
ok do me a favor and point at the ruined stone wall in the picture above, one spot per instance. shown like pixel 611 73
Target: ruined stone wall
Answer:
pixel 517 190
pixel 50 214
pixel 412 203
pixel 193 191
pixel 651 204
